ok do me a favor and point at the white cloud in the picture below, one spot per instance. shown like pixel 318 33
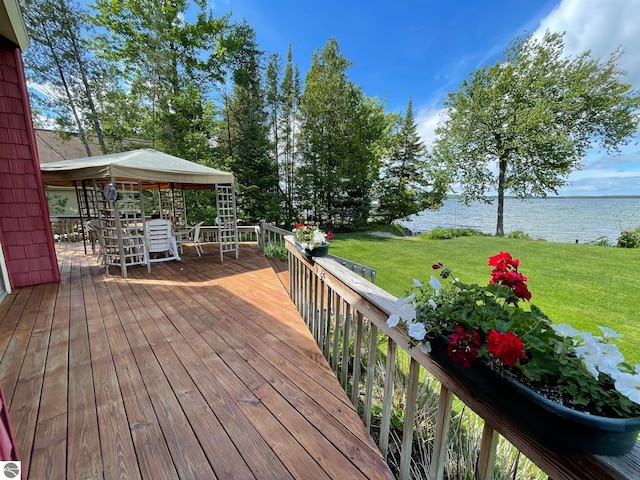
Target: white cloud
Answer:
pixel 427 120
pixel 600 26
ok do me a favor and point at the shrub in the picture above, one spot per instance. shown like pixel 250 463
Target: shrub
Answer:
pixel 520 235
pixel 440 233
pixel 629 238
pixel 275 250
pixel 601 242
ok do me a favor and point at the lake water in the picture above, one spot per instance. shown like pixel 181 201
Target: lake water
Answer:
pixel 556 219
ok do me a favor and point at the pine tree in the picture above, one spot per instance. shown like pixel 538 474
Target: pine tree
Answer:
pixel 407 185
pixel 340 131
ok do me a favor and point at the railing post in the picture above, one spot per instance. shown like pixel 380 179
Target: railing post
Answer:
pixel 261 234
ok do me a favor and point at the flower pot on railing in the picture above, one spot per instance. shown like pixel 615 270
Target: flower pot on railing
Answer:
pixel 555 426
pixel 319 251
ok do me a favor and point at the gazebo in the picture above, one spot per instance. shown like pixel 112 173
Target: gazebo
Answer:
pixel 111 188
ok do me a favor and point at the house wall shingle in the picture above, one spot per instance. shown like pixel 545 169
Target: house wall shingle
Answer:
pixel 24 229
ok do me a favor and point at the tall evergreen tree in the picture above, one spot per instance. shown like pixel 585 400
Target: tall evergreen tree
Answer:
pixel 290 96
pixel 251 160
pixel 340 132
pixel 407 184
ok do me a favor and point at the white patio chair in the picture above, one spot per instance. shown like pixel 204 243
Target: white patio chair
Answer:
pixel 161 244
pixel 94 231
pixel 191 235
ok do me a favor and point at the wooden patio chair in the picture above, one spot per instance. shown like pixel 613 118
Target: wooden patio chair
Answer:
pixel 161 244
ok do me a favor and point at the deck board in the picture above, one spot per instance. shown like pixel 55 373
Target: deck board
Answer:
pixel 199 369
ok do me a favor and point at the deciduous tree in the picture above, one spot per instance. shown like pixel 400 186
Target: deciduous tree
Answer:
pixel 522 125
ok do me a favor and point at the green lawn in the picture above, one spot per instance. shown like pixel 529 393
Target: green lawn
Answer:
pixel 582 285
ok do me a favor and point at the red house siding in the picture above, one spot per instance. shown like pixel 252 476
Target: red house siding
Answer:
pixel 25 231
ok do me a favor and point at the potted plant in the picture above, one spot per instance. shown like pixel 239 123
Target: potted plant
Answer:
pixel 570 390
pixel 311 240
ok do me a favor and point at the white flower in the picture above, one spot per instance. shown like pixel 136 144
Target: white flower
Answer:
pixel 318 237
pixel 417 283
pixel 433 304
pixel 393 320
pixel 609 358
pixel 609 333
pixel 629 385
pixel 637 368
pixel 425 347
pixel 600 357
pixel 417 331
pixel 565 330
pixel 435 284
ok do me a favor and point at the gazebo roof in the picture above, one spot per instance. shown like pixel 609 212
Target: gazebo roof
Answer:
pixel 148 165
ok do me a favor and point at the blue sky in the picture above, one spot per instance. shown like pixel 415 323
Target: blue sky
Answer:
pixel 423 49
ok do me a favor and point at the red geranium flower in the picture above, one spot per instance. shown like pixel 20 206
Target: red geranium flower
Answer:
pixel 506 347
pixel 329 236
pixel 463 346
pixel 503 261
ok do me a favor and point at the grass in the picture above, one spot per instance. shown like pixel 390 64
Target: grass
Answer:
pixel 583 285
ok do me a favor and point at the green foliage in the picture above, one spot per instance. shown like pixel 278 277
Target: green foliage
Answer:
pixel 406 185
pixel 440 233
pixel 251 160
pixel 60 58
pixel 57 204
pixel 340 132
pixel 276 250
pixel 519 234
pixel 171 68
pixel 534 113
pixel 629 238
pixel 602 241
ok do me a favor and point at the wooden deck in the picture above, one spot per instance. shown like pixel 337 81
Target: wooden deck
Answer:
pixel 199 370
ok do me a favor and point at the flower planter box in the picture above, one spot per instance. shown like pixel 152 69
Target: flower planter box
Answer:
pixel 555 426
pixel 320 251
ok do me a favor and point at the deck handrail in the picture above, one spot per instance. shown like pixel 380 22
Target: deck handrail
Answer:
pixel 268 233
pixel 346 313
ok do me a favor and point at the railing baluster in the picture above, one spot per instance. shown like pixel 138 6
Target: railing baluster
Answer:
pixel 371 374
pixel 385 422
pixel 487 458
pixel 443 420
pixel 346 334
pixel 357 356
pixel 409 419
pixel 322 315
pixel 330 314
pixel 336 333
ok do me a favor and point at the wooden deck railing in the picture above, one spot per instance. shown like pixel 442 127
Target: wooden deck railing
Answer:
pixel 347 315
